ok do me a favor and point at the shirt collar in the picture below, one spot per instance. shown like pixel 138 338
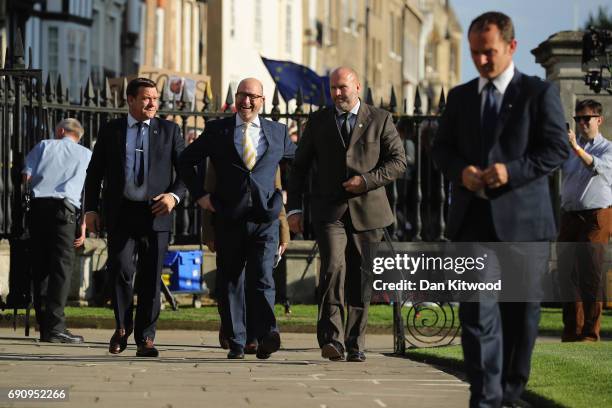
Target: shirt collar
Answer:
pixel 501 81
pixel 596 140
pixel 354 111
pixel 132 121
pixel 255 122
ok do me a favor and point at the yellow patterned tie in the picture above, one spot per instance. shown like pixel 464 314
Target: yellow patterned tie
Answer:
pixel 249 155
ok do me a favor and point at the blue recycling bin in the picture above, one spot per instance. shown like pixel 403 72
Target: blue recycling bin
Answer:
pixel 186 271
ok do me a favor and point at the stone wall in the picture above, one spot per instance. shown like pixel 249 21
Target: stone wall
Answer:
pixel 561 57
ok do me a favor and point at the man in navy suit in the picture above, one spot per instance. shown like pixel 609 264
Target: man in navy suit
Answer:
pixel 245 151
pixel 500 136
pixel 133 157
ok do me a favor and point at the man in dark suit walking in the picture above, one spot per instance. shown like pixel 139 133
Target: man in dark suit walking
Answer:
pixel 500 136
pixel 357 151
pixel 245 151
pixel 133 157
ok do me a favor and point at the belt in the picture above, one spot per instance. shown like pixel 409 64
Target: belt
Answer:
pixel 589 210
pixel 55 200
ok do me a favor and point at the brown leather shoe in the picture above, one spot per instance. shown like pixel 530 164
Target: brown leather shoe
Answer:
pixel 147 349
pixel 118 342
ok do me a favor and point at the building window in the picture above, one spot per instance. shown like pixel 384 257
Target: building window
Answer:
pixel 232 19
pixel 288 29
pixel 77 61
pixel 353 16
pixel 346 12
pixel 328 25
pixel 258 23
pixel 53 51
pixel 110 45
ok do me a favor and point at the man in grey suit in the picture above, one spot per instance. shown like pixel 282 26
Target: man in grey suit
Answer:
pixel 356 151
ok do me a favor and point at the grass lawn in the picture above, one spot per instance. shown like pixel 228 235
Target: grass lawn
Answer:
pixel 380 318
pixel 562 374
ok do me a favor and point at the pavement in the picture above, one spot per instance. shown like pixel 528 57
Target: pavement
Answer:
pixel 192 371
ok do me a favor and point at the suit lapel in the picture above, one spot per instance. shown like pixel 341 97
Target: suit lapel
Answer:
pixel 331 123
pixel 121 138
pixel 154 135
pixel 361 123
pixel 267 132
pixel 228 140
pixel 507 102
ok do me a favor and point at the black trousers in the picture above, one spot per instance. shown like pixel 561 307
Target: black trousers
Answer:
pixel 52 224
pixel 343 307
pixel 497 338
pixel 135 246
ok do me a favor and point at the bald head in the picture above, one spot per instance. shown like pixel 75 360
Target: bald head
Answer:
pixel 251 83
pixel 249 98
pixel 345 72
pixel 345 88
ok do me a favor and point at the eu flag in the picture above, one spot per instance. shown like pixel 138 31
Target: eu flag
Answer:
pixel 289 77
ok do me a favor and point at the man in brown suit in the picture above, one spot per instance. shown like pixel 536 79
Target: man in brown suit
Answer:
pixel 356 151
pixel 208 238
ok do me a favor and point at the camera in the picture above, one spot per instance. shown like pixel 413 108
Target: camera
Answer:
pixel 597 46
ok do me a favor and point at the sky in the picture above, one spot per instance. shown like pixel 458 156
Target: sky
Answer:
pixel 534 21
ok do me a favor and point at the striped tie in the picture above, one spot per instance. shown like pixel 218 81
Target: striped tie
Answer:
pixel 249 155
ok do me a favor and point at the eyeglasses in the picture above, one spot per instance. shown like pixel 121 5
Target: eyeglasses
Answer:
pixel 585 118
pixel 252 97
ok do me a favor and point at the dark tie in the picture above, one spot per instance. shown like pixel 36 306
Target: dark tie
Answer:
pixel 489 119
pixel 345 129
pixel 139 157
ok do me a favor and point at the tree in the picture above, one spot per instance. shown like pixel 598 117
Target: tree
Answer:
pixel 601 20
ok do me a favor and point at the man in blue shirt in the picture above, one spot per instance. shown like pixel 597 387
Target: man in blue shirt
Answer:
pixel 587 217
pixel 55 169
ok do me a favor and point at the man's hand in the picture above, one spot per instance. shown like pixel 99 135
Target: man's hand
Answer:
pixel 164 203
pixel 80 240
pixel 210 245
pixel 496 175
pixel 295 223
pixel 355 185
pixel 206 204
pixel 471 177
pixel 281 249
pixel 572 139
pixel 92 222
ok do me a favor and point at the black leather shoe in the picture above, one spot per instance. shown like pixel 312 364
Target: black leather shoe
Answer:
pixel 63 337
pixel 269 344
pixel 332 352
pixel 235 355
pixel 251 347
pixel 147 349
pixel 519 403
pixel 118 341
pixel 356 356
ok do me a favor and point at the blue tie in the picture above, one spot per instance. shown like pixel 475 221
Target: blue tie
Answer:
pixel 489 120
pixel 139 157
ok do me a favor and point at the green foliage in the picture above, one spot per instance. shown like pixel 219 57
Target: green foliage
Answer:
pixel 601 19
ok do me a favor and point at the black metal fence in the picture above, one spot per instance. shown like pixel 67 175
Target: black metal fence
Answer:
pixel 30 107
